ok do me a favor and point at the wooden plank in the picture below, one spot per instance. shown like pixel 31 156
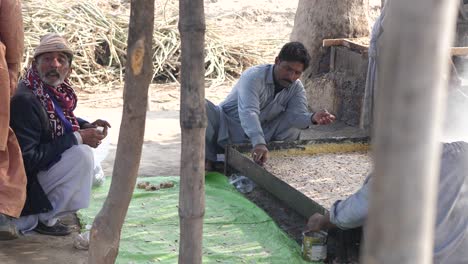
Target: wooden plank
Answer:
pixel 332 42
pixel 459 51
pixel 349 43
pixel 280 189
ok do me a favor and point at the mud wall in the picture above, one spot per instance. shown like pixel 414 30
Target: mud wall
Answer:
pixel 340 90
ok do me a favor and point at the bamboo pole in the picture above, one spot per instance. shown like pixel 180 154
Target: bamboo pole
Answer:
pixel 105 233
pixel 193 125
pixel 409 110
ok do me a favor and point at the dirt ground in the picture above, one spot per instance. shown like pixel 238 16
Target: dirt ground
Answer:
pixel 265 21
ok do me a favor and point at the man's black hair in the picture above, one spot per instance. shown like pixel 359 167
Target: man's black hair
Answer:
pixel 294 51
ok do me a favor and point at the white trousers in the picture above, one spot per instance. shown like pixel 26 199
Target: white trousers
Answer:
pixel 67 185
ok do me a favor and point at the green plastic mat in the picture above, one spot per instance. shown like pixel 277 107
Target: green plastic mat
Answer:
pixel 235 230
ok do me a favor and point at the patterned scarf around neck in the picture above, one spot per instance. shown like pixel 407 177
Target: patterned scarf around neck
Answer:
pixel 64 96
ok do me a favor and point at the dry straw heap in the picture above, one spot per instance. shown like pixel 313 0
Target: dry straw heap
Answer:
pixel 97 32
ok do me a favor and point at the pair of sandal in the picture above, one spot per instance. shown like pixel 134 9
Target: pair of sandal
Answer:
pixel 59 229
pixel 8 229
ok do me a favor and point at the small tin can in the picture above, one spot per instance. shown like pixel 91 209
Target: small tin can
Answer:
pixel 314 246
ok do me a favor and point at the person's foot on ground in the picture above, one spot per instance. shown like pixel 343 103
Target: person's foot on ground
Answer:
pixel 7 228
pixel 58 229
pixel 214 166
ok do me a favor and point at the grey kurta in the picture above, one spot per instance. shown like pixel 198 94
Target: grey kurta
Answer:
pixel 253 112
pixel 451 230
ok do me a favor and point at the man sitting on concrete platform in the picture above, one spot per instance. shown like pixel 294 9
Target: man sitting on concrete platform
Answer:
pixel 268 103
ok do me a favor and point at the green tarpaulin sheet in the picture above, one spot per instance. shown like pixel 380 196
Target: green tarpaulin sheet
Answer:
pixel 235 230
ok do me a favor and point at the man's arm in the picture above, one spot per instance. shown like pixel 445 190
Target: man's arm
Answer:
pixel 346 214
pixel 352 212
pixel 27 124
pixel 297 109
pixel 298 112
pixel 249 88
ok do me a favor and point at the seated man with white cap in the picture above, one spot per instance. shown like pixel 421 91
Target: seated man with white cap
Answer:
pixel 56 145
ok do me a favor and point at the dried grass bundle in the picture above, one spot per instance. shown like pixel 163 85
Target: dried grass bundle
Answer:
pixel 97 32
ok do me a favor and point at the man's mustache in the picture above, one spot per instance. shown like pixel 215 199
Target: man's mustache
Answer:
pixel 52 72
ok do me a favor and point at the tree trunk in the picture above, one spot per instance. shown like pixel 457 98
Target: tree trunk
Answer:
pixel 105 233
pixel 193 125
pixel 324 19
pixel 315 21
pixel 409 111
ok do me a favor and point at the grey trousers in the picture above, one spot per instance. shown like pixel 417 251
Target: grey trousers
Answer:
pixel 211 136
pixel 278 129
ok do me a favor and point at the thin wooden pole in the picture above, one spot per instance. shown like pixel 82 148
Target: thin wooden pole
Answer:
pixel 105 233
pixel 409 109
pixel 193 125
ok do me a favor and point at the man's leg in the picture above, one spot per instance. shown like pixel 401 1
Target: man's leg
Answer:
pixel 12 187
pixel 211 136
pixel 67 185
pixel 280 130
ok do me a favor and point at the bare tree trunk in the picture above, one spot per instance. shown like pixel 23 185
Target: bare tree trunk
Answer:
pixel 409 111
pixel 317 20
pixel 193 125
pixel 105 233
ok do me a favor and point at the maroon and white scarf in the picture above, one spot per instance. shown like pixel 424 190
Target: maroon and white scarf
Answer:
pixel 63 94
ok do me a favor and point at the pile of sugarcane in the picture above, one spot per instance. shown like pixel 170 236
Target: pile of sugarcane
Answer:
pixel 97 32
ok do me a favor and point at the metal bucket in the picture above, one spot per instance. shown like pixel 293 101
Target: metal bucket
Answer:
pixel 314 246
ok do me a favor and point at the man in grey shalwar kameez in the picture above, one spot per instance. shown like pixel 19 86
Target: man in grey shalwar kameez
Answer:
pixel 268 103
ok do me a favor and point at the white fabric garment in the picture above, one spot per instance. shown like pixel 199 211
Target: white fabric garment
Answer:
pixel 67 185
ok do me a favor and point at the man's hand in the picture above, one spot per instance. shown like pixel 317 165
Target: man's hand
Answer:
pixel 91 136
pixel 318 222
pixel 260 154
pixel 98 123
pixel 323 117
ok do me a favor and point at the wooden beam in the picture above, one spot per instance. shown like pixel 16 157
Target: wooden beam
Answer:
pixel 346 42
pixel 351 44
pixel 459 51
pixel 280 189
